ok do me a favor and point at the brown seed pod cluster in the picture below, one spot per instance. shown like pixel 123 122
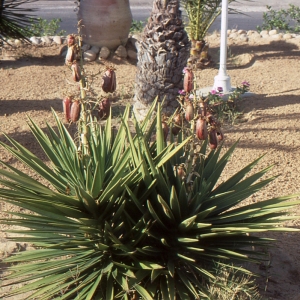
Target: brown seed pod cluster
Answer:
pixel 71 109
pixel 73 50
pixel 165 129
pixel 76 71
pixel 188 80
pixel 177 124
pixel 104 108
pixel 109 82
pixel 206 125
pixel 75 111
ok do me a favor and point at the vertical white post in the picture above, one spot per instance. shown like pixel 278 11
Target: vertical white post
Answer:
pixel 222 79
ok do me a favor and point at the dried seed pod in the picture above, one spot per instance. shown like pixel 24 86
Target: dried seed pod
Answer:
pixel 67 102
pixel 180 172
pixel 109 80
pixel 104 109
pixel 202 108
pixel 220 135
pixel 177 124
pixel 165 129
pixel 213 141
pixel 70 40
pixel 189 112
pixel 75 111
pixel 71 55
pixel 211 119
pixel 188 80
pixel 76 71
pixel 201 129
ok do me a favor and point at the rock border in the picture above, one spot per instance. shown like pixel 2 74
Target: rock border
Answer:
pixel 92 53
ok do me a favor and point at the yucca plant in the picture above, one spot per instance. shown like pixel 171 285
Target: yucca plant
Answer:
pixel 121 222
pixel 15 19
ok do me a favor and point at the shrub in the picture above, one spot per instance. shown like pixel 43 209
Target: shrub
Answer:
pixel 284 19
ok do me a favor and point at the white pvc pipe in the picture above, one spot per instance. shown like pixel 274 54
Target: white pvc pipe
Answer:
pixel 222 79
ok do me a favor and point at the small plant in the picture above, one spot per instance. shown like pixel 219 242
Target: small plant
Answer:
pixel 226 109
pixel 287 20
pixel 136 26
pixel 42 27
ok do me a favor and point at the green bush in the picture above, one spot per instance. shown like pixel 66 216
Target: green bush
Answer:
pixel 287 20
pixel 42 27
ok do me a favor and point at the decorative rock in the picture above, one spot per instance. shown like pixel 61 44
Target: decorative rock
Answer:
pixel 276 36
pixel 234 30
pixel 18 42
pixel 241 31
pixel 244 37
pixel 34 40
pixel 251 32
pixel 233 35
pixel 287 36
pixel 64 53
pixel 264 33
pixel 121 51
pixel 273 32
pixel 228 31
pixel 89 55
pixel 57 39
pixel 132 40
pixel 132 54
pixel 104 53
pixel 254 35
pixel 86 47
pixel 95 49
pixel 46 40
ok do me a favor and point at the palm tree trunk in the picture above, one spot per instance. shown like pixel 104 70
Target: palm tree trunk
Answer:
pixel 163 50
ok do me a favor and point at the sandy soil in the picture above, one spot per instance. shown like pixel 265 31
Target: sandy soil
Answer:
pixel 36 80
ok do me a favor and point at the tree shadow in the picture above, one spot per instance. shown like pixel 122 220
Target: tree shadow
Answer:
pixel 24 57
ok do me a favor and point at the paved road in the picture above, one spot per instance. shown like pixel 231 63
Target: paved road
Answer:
pixel 64 9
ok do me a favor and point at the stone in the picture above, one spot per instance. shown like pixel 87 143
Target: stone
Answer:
pixel 287 36
pixel 228 31
pixel 35 41
pixel 104 53
pixel 234 30
pixel 244 38
pixel 132 54
pixel 264 33
pixel 46 40
pixel 276 36
pixel 242 31
pixel 64 53
pixel 95 49
pixel 251 32
pixel 132 41
pixel 86 47
pixel 89 55
pixel 18 42
pixel 121 51
pixel 57 40
pixel 273 32
pixel 233 35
